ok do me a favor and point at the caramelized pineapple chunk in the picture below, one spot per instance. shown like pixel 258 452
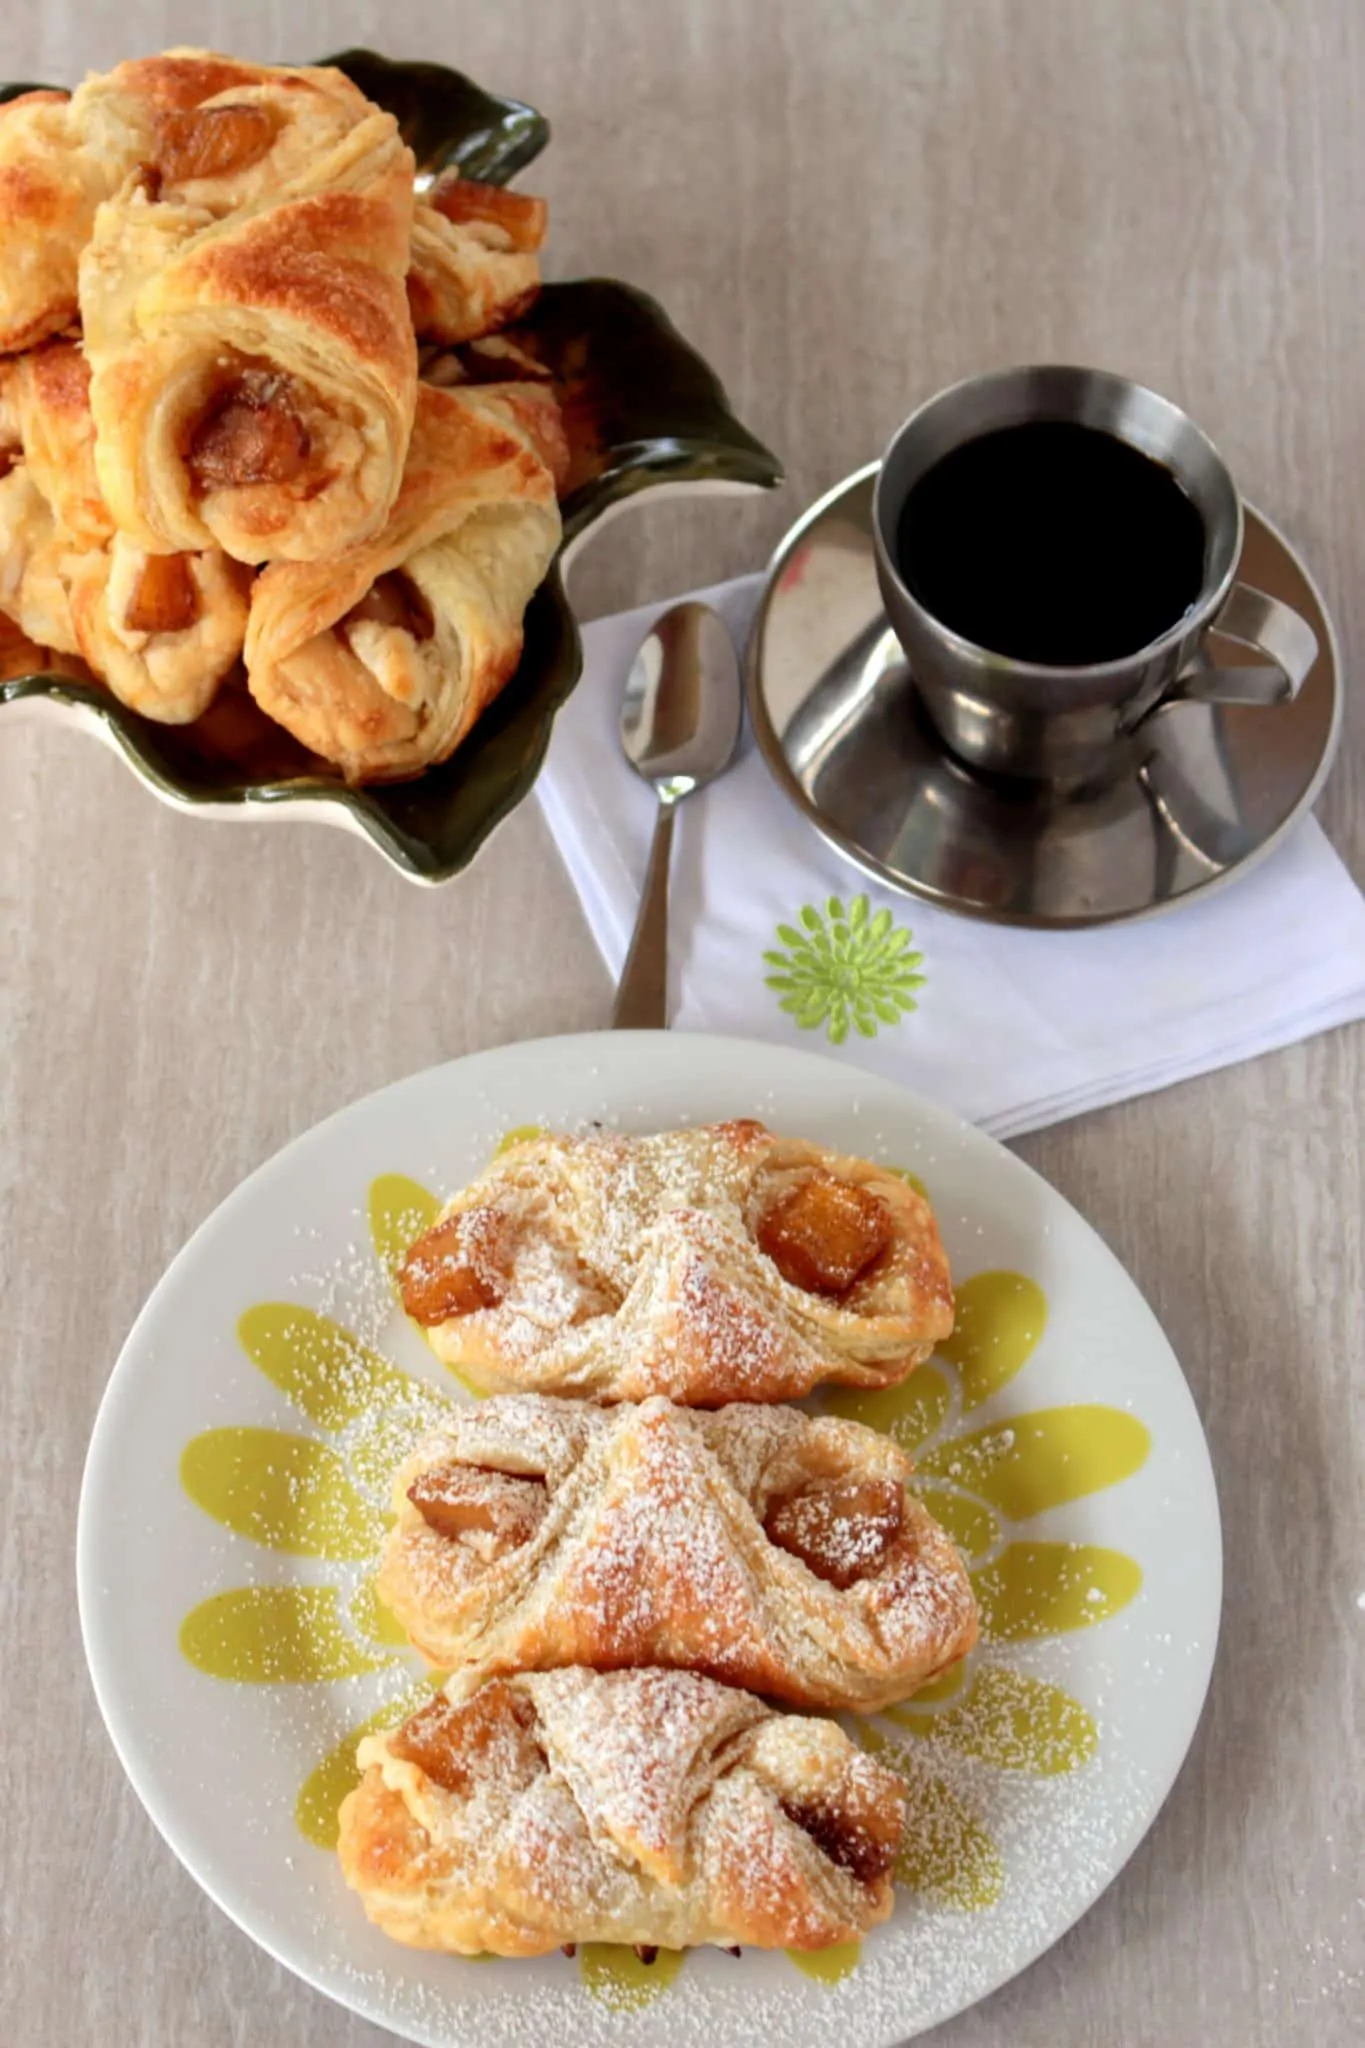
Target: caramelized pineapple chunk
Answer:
pixel 452 1499
pixel 448 1741
pixel 211 142
pixel 250 434
pixel 824 1234
pixel 166 597
pixel 841 1529
pixel 455 1269
pixel 466 200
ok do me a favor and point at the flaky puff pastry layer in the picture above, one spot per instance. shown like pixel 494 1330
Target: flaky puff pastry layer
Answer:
pixel 255 371
pixel 38 561
pixel 51 403
pixel 50 186
pixel 619 1267
pixel 475 262
pixel 163 631
pixel 62 154
pixel 757 1545
pixel 650 1807
pixel 382 660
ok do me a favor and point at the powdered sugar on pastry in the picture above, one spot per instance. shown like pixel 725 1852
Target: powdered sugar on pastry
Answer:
pixel 642 1806
pixel 760 1545
pixel 708 1265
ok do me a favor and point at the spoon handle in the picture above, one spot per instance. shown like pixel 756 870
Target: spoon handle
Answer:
pixel 642 992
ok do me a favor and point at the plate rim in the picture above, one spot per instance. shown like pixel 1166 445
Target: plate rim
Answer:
pixel 770 746
pixel 537 1050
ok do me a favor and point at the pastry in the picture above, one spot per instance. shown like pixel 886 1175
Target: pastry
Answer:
pixel 163 631
pixel 710 1265
pixel 61 154
pixel 651 1807
pixel 37 564
pixel 254 367
pixel 382 659
pixel 759 1545
pixel 474 264
pixel 51 406
pixel 49 189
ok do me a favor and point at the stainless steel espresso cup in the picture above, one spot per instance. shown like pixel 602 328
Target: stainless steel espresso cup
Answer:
pixel 1078 724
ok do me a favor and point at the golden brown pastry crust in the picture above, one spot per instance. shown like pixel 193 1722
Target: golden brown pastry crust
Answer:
pixel 473 531
pixel 278 289
pixel 61 154
pixel 652 1549
pixel 37 564
pixel 169 672
pixel 52 405
pixel 631 1266
pixel 49 188
pixel 468 276
pixel 645 1806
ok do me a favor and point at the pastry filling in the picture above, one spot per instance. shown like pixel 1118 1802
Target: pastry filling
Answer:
pixel 451 1743
pixel 823 1235
pixel 840 1529
pixel 866 1857
pixel 165 598
pixel 251 433
pixel 211 142
pixel 456 1269
pixel 468 202
pixel 393 600
pixel 459 1500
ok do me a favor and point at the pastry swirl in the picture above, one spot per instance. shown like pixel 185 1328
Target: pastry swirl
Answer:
pixel 643 1806
pixel 710 1265
pixel 760 1546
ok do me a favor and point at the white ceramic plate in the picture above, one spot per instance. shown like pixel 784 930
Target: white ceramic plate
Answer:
pixel 230 1514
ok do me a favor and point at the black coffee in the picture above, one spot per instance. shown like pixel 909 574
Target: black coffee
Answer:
pixel 1052 543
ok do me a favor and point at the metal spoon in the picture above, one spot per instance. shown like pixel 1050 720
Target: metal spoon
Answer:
pixel 680 726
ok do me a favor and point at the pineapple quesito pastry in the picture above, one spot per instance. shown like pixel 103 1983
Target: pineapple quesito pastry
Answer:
pixel 382 659
pixel 217 277
pixel 162 630
pixel 652 1807
pixel 711 1265
pixel 761 1546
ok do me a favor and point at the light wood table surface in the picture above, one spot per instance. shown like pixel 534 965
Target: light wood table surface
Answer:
pixel 844 207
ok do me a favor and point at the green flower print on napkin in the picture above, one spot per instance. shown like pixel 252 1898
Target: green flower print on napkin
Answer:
pixel 846 968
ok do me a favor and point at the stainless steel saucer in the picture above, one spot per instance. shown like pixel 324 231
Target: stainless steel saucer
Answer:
pixel 836 714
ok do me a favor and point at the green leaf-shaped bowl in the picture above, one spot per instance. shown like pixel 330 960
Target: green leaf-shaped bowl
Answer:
pixel 642 409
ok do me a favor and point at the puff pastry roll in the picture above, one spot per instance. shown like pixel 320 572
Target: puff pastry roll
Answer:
pixel 211 131
pixel 651 1807
pixel 722 1264
pixel 475 265
pixel 382 659
pixel 760 1546
pixel 62 154
pixel 255 371
pixel 50 186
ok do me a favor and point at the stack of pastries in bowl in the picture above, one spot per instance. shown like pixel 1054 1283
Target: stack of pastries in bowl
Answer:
pixel 644 1577
pixel 251 421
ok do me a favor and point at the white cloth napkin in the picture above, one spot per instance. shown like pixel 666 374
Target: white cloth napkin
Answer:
pixel 1014 1028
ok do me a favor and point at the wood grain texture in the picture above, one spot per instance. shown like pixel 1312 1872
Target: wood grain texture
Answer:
pixel 844 208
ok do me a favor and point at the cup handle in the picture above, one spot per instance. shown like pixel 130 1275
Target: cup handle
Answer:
pixel 1273 629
